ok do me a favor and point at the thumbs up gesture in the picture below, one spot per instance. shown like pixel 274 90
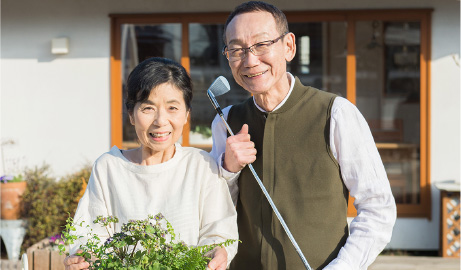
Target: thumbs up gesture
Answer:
pixel 240 151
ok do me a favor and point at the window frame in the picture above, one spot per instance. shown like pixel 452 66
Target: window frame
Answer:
pixel 421 210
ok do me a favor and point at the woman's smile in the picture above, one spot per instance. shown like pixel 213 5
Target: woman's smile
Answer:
pixel 160 136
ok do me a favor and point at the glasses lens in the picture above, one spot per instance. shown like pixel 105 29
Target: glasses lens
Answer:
pixel 235 54
pixel 257 49
pixel 260 48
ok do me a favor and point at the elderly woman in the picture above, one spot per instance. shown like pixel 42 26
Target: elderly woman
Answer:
pixel 161 176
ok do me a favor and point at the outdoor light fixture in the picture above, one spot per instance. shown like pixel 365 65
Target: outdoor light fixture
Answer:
pixel 60 46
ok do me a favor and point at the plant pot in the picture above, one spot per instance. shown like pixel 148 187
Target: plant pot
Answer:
pixel 11 199
pixel 40 256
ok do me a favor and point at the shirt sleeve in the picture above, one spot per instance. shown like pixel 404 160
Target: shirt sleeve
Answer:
pixel 218 217
pixel 364 175
pixel 89 207
pixel 219 134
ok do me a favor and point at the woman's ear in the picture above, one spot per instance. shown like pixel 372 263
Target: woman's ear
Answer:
pixel 131 118
pixel 187 116
pixel 290 46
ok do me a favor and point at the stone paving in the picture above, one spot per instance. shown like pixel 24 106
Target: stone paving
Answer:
pixel 414 263
pixel 383 262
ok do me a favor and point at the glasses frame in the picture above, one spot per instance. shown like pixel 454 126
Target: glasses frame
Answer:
pixel 225 49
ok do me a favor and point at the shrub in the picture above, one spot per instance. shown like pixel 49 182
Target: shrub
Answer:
pixel 47 203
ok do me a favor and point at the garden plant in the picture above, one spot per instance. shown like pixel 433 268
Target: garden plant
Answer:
pixel 149 244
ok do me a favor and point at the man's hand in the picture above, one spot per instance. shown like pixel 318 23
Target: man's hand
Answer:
pixel 219 261
pixel 75 262
pixel 240 151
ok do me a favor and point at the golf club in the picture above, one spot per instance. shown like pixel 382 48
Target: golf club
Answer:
pixel 219 87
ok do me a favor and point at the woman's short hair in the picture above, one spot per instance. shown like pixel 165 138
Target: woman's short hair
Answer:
pixel 255 6
pixel 153 72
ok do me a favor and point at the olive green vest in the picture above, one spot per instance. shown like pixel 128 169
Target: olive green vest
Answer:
pixel 295 164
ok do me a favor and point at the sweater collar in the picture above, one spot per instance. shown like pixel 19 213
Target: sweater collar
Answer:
pixel 169 164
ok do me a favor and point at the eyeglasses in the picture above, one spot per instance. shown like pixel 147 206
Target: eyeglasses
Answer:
pixel 257 49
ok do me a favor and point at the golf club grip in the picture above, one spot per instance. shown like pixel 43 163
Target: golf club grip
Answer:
pixel 274 208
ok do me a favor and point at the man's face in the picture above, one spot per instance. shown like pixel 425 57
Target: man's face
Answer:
pixel 259 74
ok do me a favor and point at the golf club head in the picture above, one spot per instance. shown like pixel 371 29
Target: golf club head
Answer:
pixel 220 86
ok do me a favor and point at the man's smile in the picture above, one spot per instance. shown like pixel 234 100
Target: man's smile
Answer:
pixel 256 74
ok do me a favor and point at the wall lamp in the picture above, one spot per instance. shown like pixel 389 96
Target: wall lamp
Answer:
pixel 60 46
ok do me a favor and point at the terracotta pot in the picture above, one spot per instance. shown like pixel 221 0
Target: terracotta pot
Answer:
pixel 11 199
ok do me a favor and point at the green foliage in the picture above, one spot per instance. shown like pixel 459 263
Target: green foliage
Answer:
pixel 141 244
pixel 11 178
pixel 17 178
pixel 204 130
pixel 46 203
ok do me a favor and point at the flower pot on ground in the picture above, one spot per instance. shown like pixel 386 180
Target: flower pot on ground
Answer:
pixel 12 189
pixel 44 255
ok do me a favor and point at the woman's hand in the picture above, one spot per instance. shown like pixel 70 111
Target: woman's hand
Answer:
pixel 219 261
pixel 75 262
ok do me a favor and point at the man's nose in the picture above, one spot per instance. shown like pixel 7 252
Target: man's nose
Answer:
pixel 251 59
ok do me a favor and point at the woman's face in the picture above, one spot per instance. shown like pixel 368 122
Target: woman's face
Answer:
pixel 160 119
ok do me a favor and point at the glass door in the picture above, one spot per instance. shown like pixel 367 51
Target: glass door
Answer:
pixel 139 42
pixel 206 64
pixel 388 95
pixel 320 59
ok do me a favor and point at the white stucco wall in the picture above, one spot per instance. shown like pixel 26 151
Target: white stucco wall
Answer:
pixel 57 108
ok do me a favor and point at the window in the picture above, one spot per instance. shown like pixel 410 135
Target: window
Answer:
pixel 388 95
pixel 206 64
pixel 139 42
pixel 320 59
pixel 378 59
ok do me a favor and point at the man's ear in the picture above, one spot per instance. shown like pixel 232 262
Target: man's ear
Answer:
pixel 290 46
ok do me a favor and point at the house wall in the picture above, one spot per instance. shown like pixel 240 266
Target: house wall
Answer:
pixel 56 108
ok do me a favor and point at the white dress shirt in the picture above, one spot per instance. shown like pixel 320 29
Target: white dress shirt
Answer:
pixel 363 174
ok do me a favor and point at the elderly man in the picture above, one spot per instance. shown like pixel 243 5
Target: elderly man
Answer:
pixel 311 149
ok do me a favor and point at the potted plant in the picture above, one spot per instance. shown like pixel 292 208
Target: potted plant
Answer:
pixel 12 188
pixel 141 244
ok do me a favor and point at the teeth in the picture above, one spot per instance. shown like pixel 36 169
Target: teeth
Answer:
pixel 159 135
pixel 253 75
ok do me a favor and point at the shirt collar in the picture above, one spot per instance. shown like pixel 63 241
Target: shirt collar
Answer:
pixel 292 84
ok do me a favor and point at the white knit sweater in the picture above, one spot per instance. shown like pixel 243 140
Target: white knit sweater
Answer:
pixel 186 190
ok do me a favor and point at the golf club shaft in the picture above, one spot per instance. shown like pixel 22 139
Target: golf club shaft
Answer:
pixel 269 199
